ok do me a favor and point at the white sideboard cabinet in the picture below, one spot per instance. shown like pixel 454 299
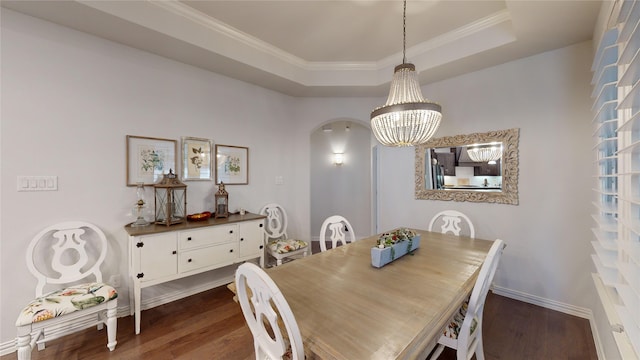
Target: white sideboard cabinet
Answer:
pixel 160 253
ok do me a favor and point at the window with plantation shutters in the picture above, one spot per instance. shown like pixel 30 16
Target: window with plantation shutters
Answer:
pixel 616 109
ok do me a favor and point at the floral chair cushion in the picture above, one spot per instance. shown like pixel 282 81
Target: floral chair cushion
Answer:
pixel 65 301
pixel 288 355
pixel 453 330
pixel 285 246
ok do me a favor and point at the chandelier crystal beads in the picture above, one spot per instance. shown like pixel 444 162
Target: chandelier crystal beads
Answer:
pixel 407 118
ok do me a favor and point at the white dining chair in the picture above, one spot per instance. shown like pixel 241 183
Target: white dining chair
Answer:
pixel 276 240
pixel 450 221
pixel 340 231
pixel 274 328
pixel 464 332
pixel 65 254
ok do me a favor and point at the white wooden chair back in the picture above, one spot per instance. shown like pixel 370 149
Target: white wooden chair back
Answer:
pixel 471 342
pixel 452 223
pixel 68 245
pixel 341 231
pixel 469 332
pixel 267 312
pixel 276 222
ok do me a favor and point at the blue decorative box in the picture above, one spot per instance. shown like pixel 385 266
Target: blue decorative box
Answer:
pixel 381 257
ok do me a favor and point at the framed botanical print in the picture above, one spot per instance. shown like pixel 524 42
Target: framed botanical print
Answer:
pixel 232 165
pixel 196 158
pixel 148 159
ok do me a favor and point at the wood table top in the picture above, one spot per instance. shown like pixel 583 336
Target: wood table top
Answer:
pixel 348 309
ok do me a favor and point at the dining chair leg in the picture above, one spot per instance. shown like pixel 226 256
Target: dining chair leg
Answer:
pixel 479 351
pixel 112 328
pixel 436 353
pixel 23 344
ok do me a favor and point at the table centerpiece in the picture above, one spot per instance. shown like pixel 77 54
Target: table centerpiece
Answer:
pixel 393 245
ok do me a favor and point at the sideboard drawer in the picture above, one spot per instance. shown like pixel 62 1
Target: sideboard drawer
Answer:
pixel 209 236
pixel 209 256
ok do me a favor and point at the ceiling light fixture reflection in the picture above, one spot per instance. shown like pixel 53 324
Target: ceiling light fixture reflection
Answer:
pixel 485 152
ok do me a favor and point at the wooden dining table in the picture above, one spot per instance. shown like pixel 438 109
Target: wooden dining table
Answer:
pixel 348 309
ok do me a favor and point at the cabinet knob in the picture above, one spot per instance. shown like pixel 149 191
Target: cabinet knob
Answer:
pixel 241 239
pixel 189 260
pixel 261 246
pixel 230 231
pixel 174 252
pixel 189 238
pixel 261 225
pixel 231 250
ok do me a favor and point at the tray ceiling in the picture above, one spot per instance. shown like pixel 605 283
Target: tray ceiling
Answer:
pixel 329 48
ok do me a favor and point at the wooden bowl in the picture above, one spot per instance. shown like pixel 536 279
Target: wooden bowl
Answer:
pixel 199 217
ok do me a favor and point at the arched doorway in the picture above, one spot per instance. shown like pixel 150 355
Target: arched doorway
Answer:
pixel 341 189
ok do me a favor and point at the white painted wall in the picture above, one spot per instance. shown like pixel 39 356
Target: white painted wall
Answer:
pixel 69 100
pixel 547 234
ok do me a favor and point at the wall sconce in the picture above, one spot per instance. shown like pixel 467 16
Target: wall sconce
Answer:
pixel 338 158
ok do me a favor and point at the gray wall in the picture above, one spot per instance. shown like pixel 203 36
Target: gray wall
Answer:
pixel 547 259
pixel 341 190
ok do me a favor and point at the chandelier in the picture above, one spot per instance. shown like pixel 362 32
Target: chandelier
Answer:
pixel 407 118
pixel 485 152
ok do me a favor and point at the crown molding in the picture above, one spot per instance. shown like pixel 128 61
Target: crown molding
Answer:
pixel 177 31
pixel 263 47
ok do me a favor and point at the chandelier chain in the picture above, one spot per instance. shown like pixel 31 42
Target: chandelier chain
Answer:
pixel 404 33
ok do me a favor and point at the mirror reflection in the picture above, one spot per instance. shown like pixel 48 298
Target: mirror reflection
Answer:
pixel 469 167
pixel 480 167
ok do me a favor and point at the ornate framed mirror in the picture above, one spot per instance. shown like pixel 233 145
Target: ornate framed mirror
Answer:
pixel 449 168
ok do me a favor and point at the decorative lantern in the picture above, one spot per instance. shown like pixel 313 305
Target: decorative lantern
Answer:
pixel 171 200
pixel 222 202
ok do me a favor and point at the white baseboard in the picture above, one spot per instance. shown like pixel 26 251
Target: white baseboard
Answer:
pixel 581 312
pixel 545 303
pixel 596 338
pixel 9 347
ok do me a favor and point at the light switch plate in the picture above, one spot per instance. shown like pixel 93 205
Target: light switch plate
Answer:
pixel 37 183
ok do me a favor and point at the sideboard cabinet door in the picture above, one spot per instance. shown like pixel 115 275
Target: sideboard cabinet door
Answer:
pixel 158 256
pixel 251 239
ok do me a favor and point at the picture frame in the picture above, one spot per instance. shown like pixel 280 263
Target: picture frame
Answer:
pixel 149 159
pixel 196 158
pixel 232 165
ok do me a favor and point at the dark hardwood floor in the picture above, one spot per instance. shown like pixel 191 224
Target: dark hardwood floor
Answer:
pixel 210 325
